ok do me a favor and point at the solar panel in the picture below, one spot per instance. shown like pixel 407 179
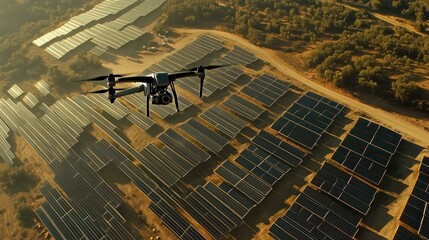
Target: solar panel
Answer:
pixel 315 216
pixel 307 119
pixel 367 150
pixel 224 121
pixel 404 234
pixel 228 201
pixel 266 89
pixel 210 139
pixel 243 107
pixel 188 150
pixel 344 187
pixel 249 185
pixel 280 149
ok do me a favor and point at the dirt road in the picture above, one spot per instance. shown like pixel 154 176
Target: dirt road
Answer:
pixel 397 123
pixel 389 19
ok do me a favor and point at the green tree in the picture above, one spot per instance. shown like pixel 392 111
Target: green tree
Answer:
pixel 404 89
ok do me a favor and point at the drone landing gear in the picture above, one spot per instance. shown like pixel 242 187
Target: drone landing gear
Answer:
pixel 173 89
pixel 147 105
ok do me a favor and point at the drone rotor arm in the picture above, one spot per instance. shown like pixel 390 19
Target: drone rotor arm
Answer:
pixel 143 79
pixel 129 91
pixel 176 75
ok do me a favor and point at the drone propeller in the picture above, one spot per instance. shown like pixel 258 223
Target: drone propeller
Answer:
pixel 102 78
pixel 209 67
pixel 201 73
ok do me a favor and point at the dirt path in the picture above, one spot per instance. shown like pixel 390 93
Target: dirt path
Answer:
pixel 389 19
pixel 398 123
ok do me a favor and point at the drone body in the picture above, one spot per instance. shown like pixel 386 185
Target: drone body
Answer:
pixel 154 85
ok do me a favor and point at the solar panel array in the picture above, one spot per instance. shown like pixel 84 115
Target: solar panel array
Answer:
pixel 347 189
pixel 89 208
pixel 215 80
pixel 43 87
pixel 168 169
pixel 184 147
pixel 416 212
pixel 267 167
pixel 243 107
pixel 238 56
pixel 5 153
pixel 49 138
pixel 99 12
pixel 30 100
pixel 367 150
pixel 315 216
pixel 172 219
pixel 205 136
pixel 141 120
pixel 219 219
pixel 189 55
pixel 404 234
pixel 279 148
pixel 15 91
pixel 266 89
pixel 104 35
pixel 253 187
pixel 307 119
pixel 227 123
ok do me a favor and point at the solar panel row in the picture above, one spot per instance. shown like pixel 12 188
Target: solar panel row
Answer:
pixel 84 215
pixel 215 80
pixel 15 91
pixel 279 148
pixel 416 214
pixel 43 87
pixel 314 216
pixel 238 56
pixel 260 168
pixel 178 225
pixel 203 135
pixel 221 217
pixel 5 153
pixel 169 170
pixel 405 234
pixel 47 142
pixel 30 100
pixel 367 150
pixel 100 11
pixel 104 35
pixel 224 121
pixel 251 186
pixel 267 157
pixel 266 89
pixel 137 176
pixel 307 119
pixel 344 187
pixel 186 56
pixel 141 120
pixel 116 110
pixel 243 107
pixel 183 147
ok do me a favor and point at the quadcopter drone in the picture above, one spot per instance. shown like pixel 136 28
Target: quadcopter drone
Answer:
pixel 154 85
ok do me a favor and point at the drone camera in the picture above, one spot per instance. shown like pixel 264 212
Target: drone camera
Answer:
pixel 163 98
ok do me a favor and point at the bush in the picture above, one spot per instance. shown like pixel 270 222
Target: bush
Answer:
pixel 404 90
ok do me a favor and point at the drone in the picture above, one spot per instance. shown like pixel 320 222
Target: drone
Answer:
pixel 154 85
